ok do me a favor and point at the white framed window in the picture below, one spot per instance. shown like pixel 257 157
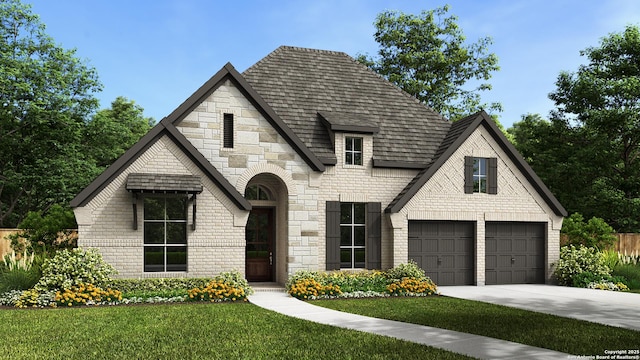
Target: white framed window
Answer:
pixel 353 235
pixel 480 175
pixel 353 150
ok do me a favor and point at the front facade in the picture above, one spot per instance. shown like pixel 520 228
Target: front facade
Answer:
pixel 308 160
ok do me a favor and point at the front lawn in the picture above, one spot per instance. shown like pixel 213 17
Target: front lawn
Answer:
pixel 501 322
pixel 189 331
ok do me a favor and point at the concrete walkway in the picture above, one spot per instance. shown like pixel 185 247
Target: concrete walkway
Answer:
pixel 605 307
pixel 481 347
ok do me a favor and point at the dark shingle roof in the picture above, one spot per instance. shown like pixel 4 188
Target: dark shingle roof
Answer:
pixel 137 182
pixel 298 83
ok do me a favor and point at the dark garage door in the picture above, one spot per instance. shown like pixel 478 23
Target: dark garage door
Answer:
pixel 444 249
pixel 514 253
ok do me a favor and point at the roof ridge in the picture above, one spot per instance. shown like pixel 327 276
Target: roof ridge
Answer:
pixel 283 48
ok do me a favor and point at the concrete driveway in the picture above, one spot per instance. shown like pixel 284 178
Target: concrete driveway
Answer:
pixel 606 307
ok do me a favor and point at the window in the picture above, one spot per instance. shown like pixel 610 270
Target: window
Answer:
pixel 480 175
pixel 257 192
pixel 227 141
pixel 165 233
pixel 353 151
pixel 352 235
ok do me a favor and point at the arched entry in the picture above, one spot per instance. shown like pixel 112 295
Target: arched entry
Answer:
pixel 266 230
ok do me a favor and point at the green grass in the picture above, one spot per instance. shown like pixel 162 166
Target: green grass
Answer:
pixel 189 331
pixel 501 322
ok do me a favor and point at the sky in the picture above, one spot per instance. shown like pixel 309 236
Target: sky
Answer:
pixel 158 52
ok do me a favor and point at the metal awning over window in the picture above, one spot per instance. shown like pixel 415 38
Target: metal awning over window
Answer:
pixel 163 184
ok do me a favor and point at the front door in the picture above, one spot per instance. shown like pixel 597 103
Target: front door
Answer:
pixel 259 235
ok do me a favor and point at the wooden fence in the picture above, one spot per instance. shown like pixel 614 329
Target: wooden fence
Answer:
pixel 628 243
pixel 5 243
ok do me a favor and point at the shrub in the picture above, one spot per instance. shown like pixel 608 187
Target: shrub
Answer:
pixel 611 258
pixel 574 261
pixel 235 280
pixel 408 270
pixel 86 294
pixel 70 268
pixel 46 232
pixel 594 233
pixel 412 286
pixel 349 281
pixel 405 279
pixel 20 272
pixel 157 285
pixel 631 273
pixel 312 289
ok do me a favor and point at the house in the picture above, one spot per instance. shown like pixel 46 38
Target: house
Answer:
pixel 309 160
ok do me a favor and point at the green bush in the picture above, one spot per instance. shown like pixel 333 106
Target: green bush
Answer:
pixel 157 285
pixel 594 233
pixel 408 270
pixel 45 233
pixel 20 272
pixel 405 279
pixel 349 281
pixel 631 273
pixel 574 261
pixel 74 267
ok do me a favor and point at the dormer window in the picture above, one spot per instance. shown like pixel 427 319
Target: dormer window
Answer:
pixel 353 151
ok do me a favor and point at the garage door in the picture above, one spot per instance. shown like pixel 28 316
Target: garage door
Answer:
pixel 444 249
pixel 514 253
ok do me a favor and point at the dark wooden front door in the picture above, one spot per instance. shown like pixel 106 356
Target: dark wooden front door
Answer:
pixel 259 235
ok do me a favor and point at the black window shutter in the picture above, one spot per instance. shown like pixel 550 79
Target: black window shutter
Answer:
pixel 228 131
pixel 333 235
pixel 468 174
pixel 374 236
pixel 492 176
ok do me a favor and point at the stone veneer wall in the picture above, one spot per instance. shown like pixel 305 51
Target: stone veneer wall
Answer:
pixel 259 149
pixel 443 198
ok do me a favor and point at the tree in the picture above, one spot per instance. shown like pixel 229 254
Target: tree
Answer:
pixel 426 56
pixel 46 95
pixel 113 131
pixel 601 103
pixel 557 153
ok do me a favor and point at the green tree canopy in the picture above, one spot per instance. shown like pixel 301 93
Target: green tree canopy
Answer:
pixel 601 102
pixel 46 93
pixel 113 131
pixel 588 153
pixel 426 55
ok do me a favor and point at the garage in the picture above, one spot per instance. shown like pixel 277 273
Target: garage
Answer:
pixel 514 253
pixel 445 250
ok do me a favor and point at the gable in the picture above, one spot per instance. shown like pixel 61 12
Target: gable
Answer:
pixel 229 73
pixel 188 151
pixel 460 136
